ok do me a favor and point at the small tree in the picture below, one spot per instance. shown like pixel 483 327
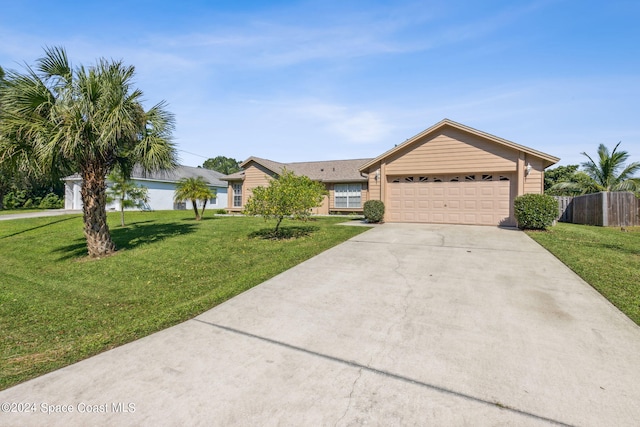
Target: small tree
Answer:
pixel 194 189
pixel 125 192
pixel 287 195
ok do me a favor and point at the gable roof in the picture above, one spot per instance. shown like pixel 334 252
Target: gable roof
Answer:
pixel 181 171
pixel 323 171
pixel 548 159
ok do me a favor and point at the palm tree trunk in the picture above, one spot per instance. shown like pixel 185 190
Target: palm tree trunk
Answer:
pixel 94 202
pixel 204 205
pixel 121 213
pixel 195 209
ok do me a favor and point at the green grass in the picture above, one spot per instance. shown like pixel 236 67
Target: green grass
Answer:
pixel 605 257
pixel 58 307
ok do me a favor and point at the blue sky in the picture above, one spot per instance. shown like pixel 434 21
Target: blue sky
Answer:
pixel 321 80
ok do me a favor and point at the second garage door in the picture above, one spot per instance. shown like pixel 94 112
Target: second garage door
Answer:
pixel 482 199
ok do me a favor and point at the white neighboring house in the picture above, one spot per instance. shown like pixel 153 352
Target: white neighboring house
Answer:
pixel 161 187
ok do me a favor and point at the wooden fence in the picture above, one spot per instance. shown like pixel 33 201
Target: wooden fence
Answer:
pixel 610 209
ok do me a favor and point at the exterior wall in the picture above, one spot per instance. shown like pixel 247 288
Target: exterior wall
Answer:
pixel 375 183
pixel 452 151
pixel 72 198
pixel 534 180
pixel 328 204
pixel 323 209
pixel 160 196
pixel 254 176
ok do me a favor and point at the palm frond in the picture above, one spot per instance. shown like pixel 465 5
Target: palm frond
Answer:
pixel 55 63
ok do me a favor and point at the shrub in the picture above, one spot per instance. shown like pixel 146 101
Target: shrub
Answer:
pixel 374 210
pixel 535 211
pixel 14 199
pixel 51 201
pixel 220 211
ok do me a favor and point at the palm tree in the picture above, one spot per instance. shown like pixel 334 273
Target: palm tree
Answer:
pixel 55 118
pixel 194 189
pixel 125 192
pixel 608 174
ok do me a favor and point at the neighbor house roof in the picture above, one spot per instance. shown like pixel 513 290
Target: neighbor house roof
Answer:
pixel 549 159
pixel 323 171
pixel 211 176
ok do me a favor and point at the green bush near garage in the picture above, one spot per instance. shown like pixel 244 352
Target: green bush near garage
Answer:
pixel 535 211
pixel 374 210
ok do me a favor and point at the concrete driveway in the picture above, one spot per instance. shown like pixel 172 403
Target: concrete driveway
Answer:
pixel 401 325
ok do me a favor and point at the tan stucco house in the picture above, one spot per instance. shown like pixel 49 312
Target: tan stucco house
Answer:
pixel 449 173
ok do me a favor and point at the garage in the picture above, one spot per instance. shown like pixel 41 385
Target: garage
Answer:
pixel 428 178
pixel 473 198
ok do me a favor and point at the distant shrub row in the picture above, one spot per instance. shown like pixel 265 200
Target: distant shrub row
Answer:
pixel 17 200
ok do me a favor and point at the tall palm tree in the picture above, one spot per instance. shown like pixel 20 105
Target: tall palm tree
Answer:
pixel 55 118
pixel 608 174
pixel 193 189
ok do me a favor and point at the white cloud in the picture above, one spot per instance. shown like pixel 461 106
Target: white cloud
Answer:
pixel 350 124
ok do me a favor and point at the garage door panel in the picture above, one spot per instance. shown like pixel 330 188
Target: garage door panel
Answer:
pixel 485 202
pixel 453 190
pixel 453 204
pixel 470 205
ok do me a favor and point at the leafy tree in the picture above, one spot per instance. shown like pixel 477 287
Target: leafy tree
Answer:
pixel 125 192
pixel 194 189
pixel 609 173
pixel 56 118
pixel 287 195
pixel 557 175
pixel 222 164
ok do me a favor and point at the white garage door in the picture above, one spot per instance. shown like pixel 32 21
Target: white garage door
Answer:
pixel 482 199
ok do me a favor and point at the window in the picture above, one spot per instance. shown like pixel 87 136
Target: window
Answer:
pixel 214 200
pixel 237 195
pixel 347 196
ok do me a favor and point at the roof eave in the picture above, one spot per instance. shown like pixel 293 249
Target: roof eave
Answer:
pixel 447 122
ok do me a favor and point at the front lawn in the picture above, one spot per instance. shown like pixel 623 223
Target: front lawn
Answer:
pixel 605 257
pixel 58 307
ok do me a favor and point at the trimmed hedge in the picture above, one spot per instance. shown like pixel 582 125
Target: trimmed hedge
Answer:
pixel 535 211
pixel 374 210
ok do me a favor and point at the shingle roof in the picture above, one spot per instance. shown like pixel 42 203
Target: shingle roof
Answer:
pixel 211 176
pixel 324 171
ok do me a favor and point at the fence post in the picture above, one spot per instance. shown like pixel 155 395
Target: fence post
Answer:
pixel 605 208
